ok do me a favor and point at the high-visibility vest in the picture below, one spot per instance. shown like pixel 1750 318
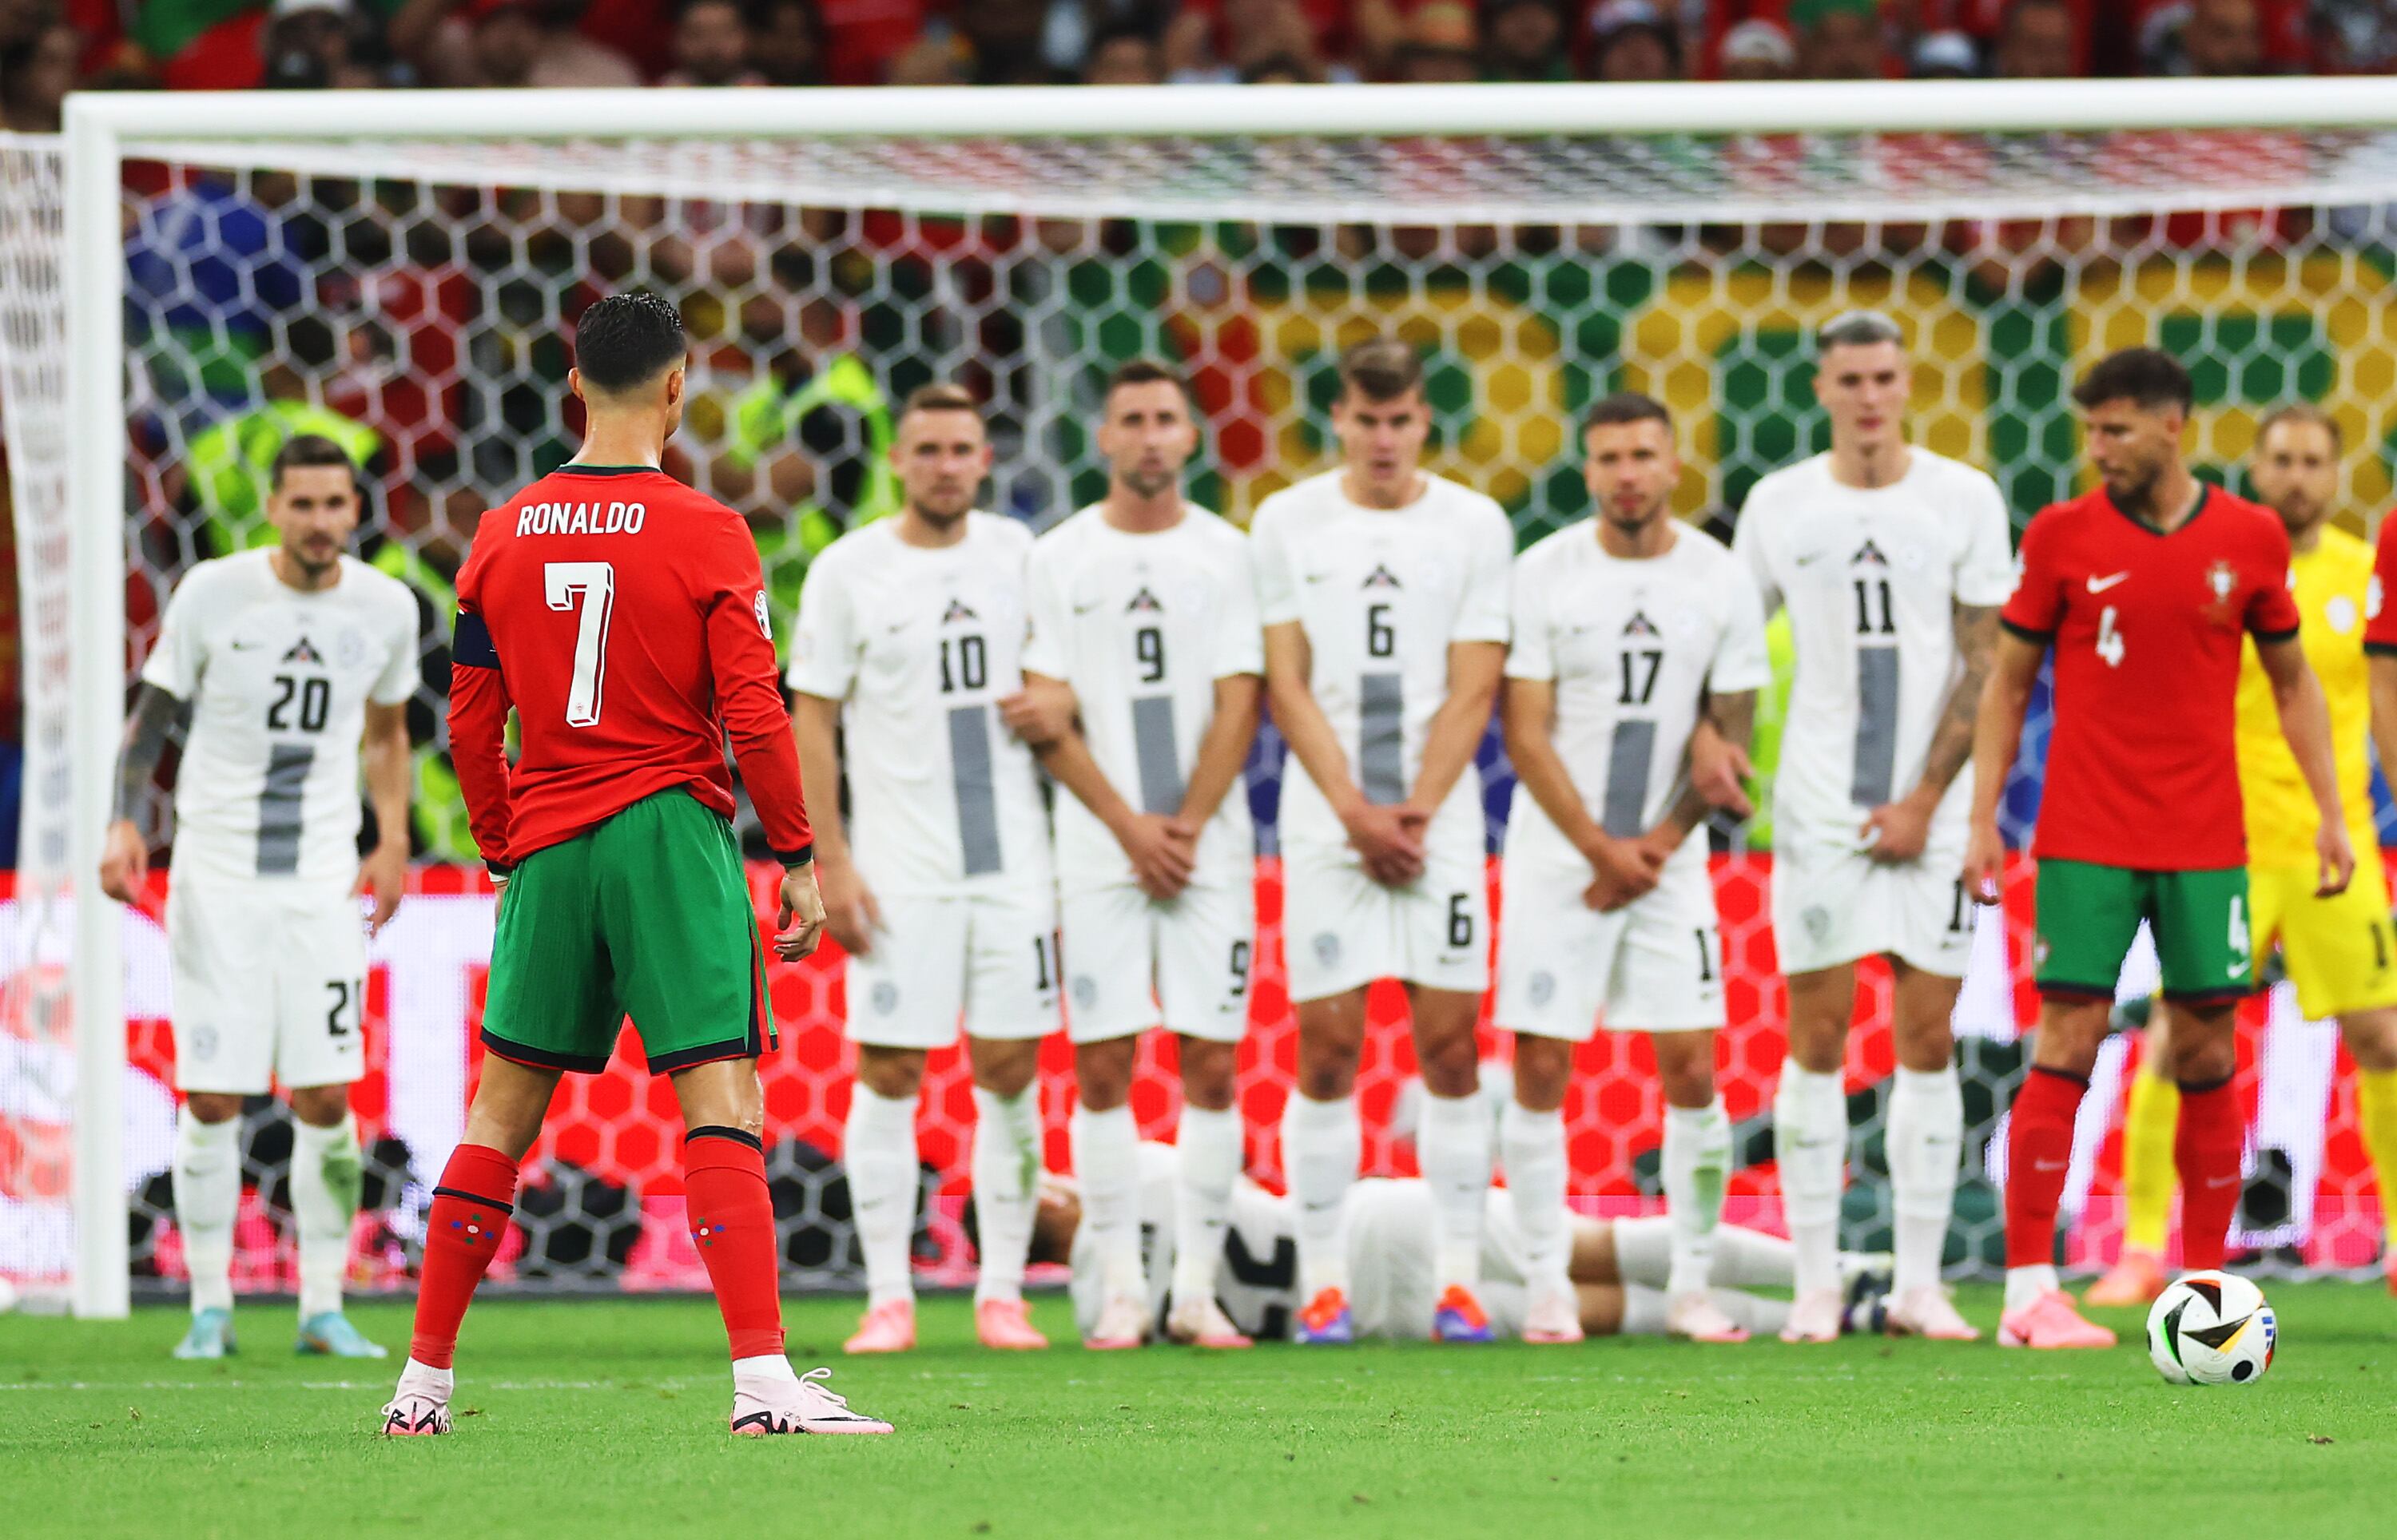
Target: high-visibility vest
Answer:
pixel 231 466
pixel 1772 713
pixel 766 416
pixel 440 811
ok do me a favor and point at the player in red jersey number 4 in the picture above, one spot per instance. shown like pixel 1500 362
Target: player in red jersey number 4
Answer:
pixel 623 616
pixel 2143 589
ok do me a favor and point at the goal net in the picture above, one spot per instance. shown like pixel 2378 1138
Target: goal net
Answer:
pixel 399 272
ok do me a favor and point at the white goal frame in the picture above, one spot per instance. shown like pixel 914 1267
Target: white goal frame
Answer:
pixel 104 130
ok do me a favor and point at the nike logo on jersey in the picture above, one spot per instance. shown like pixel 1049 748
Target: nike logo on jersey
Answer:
pixel 958 610
pixel 245 646
pixel 1810 558
pixel 2047 1165
pixel 1143 602
pixel 1085 609
pixel 1381 576
pixel 1868 554
pixel 2099 584
pixel 1317 577
pixel 302 651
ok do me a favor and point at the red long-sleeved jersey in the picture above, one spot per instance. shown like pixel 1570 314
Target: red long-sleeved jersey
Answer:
pixel 623 616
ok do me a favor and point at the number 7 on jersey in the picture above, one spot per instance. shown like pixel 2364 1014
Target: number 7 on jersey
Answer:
pixel 592 585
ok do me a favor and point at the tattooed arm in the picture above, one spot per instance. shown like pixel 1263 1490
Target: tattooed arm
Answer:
pixel 1899 831
pixel 124 859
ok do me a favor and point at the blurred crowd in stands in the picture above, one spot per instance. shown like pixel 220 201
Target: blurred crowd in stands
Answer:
pixel 50 46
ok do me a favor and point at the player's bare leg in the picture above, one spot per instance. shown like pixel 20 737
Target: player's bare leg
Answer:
pixel 2039 1152
pixel 1106 1165
pixel 1696 1160
pixel 2371 1037
pixel 1321 1144
pixel 1809 1141
pixel 1006 1170
pixel 1209 1147
pixel 1532 1145
pixel 463 1231
pixel 207 1200
pixel 2151 1120
pixel 878 1155
pixel 327 1176
pixel 1453 1146
pixel 732 1219
pixel 1925 1141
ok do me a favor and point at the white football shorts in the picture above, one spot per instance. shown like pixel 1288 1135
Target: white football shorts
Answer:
pixel 1832 904
pixel 270 979
pixel 1132 962
pixel 1653 965
pixel 1342 930
pixel 985 959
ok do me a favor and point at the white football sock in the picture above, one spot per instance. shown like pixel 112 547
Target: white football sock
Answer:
pixel 1453 1147
pixel 877 1153
pixel 422 1379
pixel 763 1375
pixel 2024 1285
pixel 1532 1147
pixel 1210 1153
pixel 207 1200
pixel 321 1216
pixel 1643 1250
pixel 1810 1142
pixel 1925 1141
pixel 1749 1259
pixel 1643 1310
pixel 1696 1160
pixel 1005 1167
pixel 1106 1167
pixel 1321 1146
pixel 1762 1316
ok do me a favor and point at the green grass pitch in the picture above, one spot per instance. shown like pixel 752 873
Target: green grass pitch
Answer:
pixel 597 1419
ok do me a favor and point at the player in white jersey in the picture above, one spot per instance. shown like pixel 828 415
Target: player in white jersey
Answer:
pixel 1144 625
pixel 937 881
pixel 1383 590
pixel 1618 1267
pixel 1631 629
pixel 280 661
pixel 1892 561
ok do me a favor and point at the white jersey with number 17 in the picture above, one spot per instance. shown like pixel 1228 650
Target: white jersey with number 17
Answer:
pixel 1872 578
pixel 1381 593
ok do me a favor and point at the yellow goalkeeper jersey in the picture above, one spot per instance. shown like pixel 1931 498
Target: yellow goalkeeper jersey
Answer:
pixel 2332 585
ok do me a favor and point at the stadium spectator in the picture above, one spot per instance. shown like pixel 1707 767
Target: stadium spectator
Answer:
pixel 2039 39
pixel 1758 49
pixel 504 43
pixel 1441 45
pixel 1632 40
pixel 786 42
pixel 710 45
pixel 1123 55
pixel 1839 39
pixel 1524 40
pixel 1227 40
pixel 1279 68
pixel 38 70
pixel 313 44
pixel 2205 37
pixel 1944 56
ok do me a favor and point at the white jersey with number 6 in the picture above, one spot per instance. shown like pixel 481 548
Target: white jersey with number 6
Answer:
pixel 1382 595
pixel 1872 579
pixel 918 645
pixel 278 683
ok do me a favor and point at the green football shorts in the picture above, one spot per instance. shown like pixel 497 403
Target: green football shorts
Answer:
pixel 645 915
pixel 2089 915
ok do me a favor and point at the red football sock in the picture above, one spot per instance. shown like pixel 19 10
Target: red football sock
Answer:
pixel 463 1231
pixel 2038 1149
pixel 2205 1155
pixel 731 1220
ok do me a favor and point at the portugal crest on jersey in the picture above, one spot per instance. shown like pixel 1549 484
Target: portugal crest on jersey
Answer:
pixel 2222 580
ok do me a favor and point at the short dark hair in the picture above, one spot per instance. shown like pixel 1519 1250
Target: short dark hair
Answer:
pixel 2149 375
pixel 305 450
pixel 1627 406
pixel 939 396
pixel 1857 328
pixel 1381 368
pixel 1143 371
pixel 628 340
pixel 2305 412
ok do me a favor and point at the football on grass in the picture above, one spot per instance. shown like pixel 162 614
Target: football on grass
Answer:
pixel 2210 1328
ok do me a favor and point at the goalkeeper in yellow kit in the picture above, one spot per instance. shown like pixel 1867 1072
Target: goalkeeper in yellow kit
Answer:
pixel 2340 951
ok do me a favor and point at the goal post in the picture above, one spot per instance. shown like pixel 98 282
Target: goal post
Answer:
pixel 1547 241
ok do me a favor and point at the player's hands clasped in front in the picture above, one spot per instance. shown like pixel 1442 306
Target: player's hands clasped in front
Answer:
pixel 1164 850
pixel 2336 857
pixel 1720 770
pixel 799 924
pixel 1627 869
pixel 1389 838
pixel 124 862
pixel 1984 864
pixel 383 876
pixel 846 905
pixel 1896 832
